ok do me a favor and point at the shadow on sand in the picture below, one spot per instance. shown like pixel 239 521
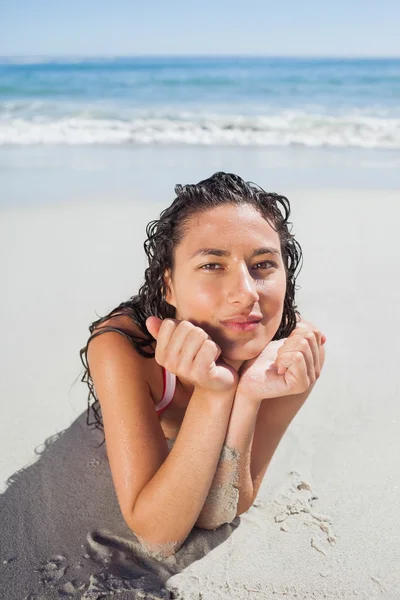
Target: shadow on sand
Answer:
pixel 62 533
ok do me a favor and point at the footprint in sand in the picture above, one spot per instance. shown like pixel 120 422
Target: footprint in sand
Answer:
pixel 300 499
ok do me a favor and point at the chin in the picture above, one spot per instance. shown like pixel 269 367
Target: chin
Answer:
pixel 245 352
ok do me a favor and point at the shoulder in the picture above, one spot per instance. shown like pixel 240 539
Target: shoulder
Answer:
pixel 120 330
pixel 127 325
pixel 111 346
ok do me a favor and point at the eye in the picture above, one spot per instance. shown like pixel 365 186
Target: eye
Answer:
pixel 266 262
pixel 208 265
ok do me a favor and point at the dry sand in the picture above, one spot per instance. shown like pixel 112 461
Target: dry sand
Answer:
pixel 326 521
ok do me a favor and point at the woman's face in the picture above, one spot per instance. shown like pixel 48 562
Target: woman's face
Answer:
pixel 208 287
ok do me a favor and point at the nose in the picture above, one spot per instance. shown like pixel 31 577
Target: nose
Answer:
pixel 242 287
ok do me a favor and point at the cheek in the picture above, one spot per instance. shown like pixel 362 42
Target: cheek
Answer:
pixel 273 289
pixel 203 294
pixel 272 296
pixel 197 299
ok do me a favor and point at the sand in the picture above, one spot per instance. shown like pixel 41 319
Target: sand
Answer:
pixel 221 504
pixel 326 521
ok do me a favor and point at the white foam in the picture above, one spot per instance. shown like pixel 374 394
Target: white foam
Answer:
pixel 285 129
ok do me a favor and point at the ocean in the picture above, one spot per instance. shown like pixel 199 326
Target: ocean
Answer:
pixel 275 102
pixel 83 129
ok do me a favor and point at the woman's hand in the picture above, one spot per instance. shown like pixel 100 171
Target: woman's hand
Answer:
pixel 188 351
pixel 284 367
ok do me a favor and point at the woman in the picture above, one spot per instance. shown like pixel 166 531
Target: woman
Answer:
pixel 203 370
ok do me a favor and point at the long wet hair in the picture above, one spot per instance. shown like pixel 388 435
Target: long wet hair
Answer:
pixel 166 233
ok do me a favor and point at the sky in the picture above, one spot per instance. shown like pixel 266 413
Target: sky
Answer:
pixel 353 28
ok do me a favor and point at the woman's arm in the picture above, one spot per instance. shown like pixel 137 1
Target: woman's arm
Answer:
pixel 168 505
pixel 160 494
pixel 254 431
pixel 253 435
pixel 273 419
pixel 231 490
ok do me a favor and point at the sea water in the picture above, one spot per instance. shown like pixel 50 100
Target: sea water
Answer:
pixel 211 101
pixel 137 126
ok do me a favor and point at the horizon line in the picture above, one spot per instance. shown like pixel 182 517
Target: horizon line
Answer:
pixel 113 55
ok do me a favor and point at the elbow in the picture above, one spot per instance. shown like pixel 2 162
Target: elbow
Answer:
pixel 153 542
pixel 220 507
pixel 217 519
pixel 243 509
pixel 158 549
pixel 246 501
pixel 212 524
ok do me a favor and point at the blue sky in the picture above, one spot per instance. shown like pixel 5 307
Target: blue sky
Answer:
pixel 219 27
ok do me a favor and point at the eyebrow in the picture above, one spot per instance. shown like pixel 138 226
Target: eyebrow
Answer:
pixel 219 252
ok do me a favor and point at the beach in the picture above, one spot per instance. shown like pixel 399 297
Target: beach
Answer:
pixel 80 178
pixel 324 524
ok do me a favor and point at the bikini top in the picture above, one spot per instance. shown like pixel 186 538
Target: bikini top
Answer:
pixel 169 385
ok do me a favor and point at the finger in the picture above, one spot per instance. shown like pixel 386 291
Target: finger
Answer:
pixel 207 355
pixel 288 353
pixel 176 344
pixel 165 333
pixel 312 334
pixel 193 342
pixel 153 325
pixel 318 352
pixel 321 357
pixel 303 325
pixel 297 370
pixel 313 340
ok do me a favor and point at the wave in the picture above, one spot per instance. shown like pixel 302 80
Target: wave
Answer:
pixel 285 129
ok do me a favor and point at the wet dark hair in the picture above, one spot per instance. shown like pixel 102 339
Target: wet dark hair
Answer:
pixel 165 234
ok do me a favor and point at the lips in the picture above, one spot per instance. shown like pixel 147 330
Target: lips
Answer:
pixel 243 319
pixel 249 326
